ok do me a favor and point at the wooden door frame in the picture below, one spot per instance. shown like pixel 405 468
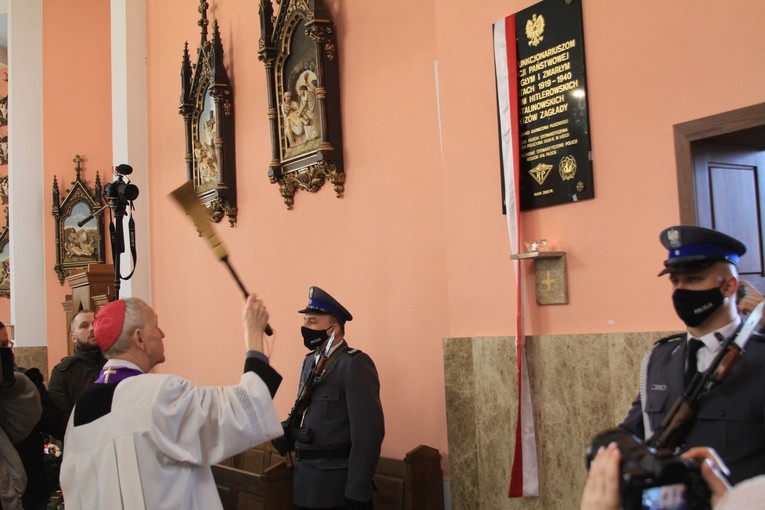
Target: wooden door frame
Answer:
pixel 688 132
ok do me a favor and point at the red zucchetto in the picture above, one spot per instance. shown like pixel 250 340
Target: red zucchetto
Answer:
pixel 108 324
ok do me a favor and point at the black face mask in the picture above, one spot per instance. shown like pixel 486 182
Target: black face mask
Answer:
pixel 695 306
pixel 312 338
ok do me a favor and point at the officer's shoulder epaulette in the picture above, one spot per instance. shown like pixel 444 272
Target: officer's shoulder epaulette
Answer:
pixel 66 363
pixel 670 338
pixel 352 352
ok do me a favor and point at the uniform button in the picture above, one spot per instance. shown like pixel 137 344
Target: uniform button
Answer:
pixel 720 413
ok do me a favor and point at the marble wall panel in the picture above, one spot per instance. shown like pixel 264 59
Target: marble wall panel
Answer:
pixel 496 381
pixel 460 399
pixel 32 357
pixel 580 384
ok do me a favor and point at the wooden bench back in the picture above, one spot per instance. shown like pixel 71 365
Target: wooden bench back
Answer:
pixel 259 479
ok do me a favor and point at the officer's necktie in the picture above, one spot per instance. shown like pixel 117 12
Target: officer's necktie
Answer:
pixel 693 347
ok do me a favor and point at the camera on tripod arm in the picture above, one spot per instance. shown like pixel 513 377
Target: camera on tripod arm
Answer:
pixel 121 190
pixel 653 479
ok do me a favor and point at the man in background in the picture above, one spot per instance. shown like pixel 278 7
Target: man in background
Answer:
pixel 75 373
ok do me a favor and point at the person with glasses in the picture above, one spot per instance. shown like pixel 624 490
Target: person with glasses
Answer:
pixel 20 412
pixel 30 449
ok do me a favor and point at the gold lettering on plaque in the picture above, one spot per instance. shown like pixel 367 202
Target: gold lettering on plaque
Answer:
pixel 540 172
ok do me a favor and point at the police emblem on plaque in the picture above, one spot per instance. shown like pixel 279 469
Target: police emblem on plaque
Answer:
pixel 567 167
pixel 540 172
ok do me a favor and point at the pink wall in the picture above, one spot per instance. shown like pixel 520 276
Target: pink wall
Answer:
pixel 76 120
pixel 417 249
pixel 649 65
pixel 380 249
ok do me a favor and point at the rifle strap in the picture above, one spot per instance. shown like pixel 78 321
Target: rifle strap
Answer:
pixel 648 430
pixel 311 366
pixel 643 381
pixel 330 363
pixel 329 452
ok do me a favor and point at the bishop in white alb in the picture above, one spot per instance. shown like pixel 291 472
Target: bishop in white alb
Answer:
pixel 142 441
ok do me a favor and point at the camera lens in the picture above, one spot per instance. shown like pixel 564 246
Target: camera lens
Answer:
pixel 128 191
pixel 121 191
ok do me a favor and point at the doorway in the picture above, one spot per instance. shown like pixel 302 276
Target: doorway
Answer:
pixel 721 180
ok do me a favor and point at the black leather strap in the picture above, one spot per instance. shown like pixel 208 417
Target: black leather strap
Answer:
pixel 330 452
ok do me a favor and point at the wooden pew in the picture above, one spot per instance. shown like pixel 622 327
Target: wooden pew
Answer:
pixel 259 479
pixel 414 483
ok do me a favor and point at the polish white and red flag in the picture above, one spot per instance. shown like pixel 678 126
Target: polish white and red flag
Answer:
pixel 524 476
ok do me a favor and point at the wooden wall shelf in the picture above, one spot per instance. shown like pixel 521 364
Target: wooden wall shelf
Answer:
pixel 550 274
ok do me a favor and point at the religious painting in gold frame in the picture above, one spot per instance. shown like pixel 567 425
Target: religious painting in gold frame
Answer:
pixel 5 263
pixel 79 230
pixel 298 47
pixel 207 107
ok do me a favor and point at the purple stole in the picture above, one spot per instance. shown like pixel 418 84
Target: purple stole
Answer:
pixel 113 375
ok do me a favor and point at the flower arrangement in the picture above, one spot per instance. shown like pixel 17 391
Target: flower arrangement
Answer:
pixel 52 463
pixel 52 450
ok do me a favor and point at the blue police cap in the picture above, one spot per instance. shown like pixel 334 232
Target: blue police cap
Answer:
pixel 321 303
pixel 694 248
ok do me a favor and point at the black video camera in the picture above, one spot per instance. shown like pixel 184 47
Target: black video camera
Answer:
pixel 653 479
pixel 121 189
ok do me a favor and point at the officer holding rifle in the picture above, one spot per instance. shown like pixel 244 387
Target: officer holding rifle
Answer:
pixel 336 426
pixel 703 269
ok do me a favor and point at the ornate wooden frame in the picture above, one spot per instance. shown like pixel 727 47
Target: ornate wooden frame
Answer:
pixel 4 150
pixel 5 261
pixel 77 246
pixel 298 47
pixel 4 110
pixel 207 106
pixel 4 122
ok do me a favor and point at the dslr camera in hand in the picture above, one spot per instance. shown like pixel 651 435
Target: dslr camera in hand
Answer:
pixel 653 479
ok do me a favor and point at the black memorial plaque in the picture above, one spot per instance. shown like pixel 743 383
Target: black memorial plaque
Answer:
pixel 554 134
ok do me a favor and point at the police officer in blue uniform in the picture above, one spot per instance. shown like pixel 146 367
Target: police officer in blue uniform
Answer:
pixel 334 467
pixel 702 267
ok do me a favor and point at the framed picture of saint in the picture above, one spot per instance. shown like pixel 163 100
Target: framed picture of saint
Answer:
pixel 207 107
pixel 79 231
pixel 300 112
pixel 299 50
